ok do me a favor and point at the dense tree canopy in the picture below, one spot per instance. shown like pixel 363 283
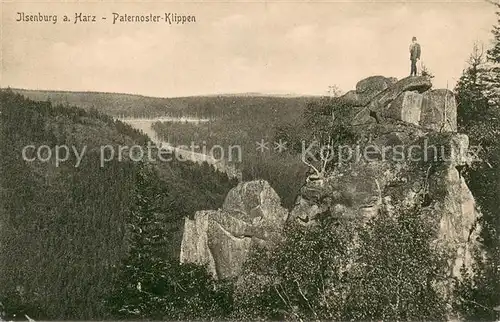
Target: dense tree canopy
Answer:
pixel 479 117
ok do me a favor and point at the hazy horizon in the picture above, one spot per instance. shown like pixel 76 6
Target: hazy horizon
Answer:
pixel 157 96
pixel 270 48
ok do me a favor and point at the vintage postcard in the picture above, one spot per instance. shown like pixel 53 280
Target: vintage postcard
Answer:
pixel 250 160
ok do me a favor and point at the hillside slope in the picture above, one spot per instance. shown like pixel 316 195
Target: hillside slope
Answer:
pixel 216 106
pixel 63 229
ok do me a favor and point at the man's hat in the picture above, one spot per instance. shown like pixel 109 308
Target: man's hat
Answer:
pixel 414 38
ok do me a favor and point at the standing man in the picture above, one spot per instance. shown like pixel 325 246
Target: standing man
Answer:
pixel 414 55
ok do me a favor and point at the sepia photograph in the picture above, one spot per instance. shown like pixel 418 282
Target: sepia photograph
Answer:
pixel 176 160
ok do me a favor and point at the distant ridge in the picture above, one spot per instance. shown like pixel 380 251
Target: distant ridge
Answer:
pixel 242 94
pixel 258 94
pixel 203 106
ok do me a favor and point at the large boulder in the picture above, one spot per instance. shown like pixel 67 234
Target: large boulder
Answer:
pixel 373 85
pixel 406 107
pixel 439 110
pixel 410 100
pixel 367 89
pixel 194 245
pixel 419 84
pixel 433 110
pixel 254 201
pixel 221 239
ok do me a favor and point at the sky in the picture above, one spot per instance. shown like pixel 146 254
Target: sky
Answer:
pixel 284 47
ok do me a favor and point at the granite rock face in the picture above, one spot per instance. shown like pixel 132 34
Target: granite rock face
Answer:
pixel 406 107
pixel 221 239
pixel 434 110
pixel 394 180
pixel 418 84
pixel 410 100
pixel 417 157
pixel 374 84
pixel 439 110
pixel 368 88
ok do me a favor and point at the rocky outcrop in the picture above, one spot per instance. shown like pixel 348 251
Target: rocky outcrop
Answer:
pixel 374 85
pixel 434 110
pixel 418 84
pixel 439 110
pixel 400 174
pixel 406 107
pixel 414 160
pixel 368 88
pixel 410 100
pixel 221 239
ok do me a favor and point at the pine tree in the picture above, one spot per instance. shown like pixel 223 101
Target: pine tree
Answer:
pixel 474 113
pixel 138 291
pixel 151 284
pixel 478 116
pixel 491 70
pixel 494 53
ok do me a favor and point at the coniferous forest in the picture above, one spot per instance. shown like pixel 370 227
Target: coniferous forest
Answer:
pixel 67 231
